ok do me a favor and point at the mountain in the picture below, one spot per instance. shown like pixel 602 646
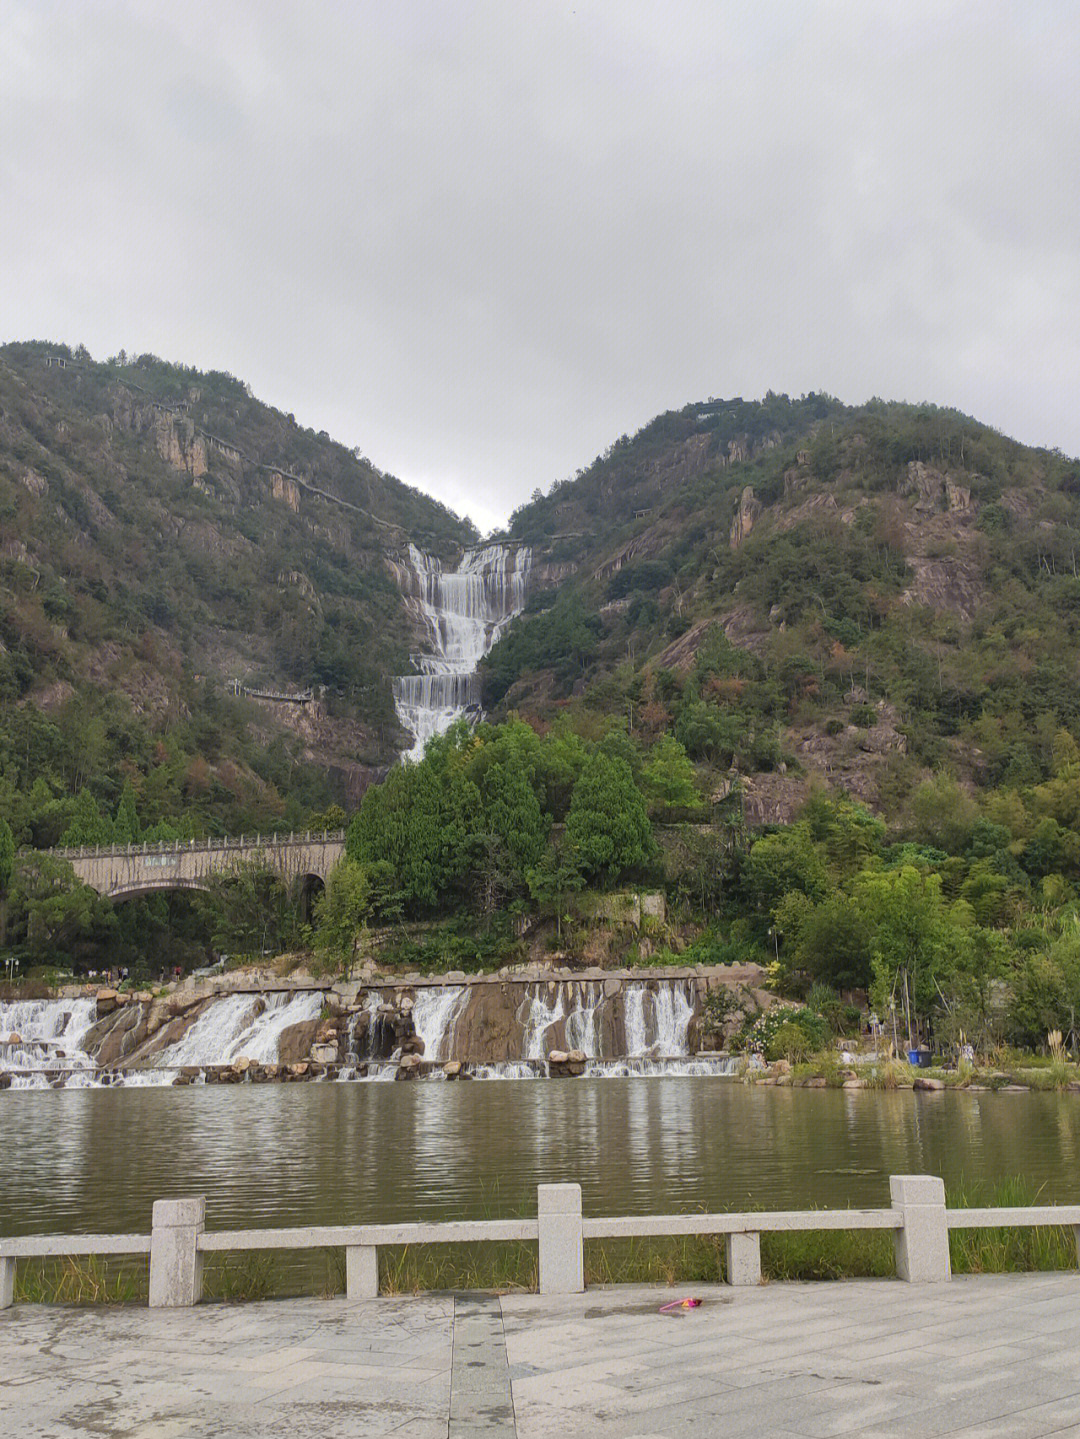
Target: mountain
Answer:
pixel 165 539
pixel 799 589
pixel 794 588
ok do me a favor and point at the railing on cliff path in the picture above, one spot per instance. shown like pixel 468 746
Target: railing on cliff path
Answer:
pixel 918 1219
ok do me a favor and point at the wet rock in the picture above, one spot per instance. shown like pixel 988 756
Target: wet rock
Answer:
pixel 854 1083
pixel 298 1069
pixel 241 1065
pixel 815 1081
pixel 107 1001
pixel 558 1056
pixel 408 1066
pixel 452 1068
pixel 925 1082
pixel 295 1042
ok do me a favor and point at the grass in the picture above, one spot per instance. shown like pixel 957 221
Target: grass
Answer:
pixel 411 1269
pixel 81 1280
pixel 513 1266
pixel 1007 1251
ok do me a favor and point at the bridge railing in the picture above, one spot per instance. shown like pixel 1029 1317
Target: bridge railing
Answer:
pixel 918 1218
pixel 198 846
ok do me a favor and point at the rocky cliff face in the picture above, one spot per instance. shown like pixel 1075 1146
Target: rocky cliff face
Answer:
pixel 153 511
pixel 873 549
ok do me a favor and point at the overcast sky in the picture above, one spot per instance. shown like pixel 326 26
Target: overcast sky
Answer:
pixel 481 240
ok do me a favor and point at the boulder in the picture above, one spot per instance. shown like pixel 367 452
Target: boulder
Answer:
pixel 408 1066
pixel 15 1038
pixel 452 1068
pixel 241 1065
pixel 558 1056
pixel 924 1081
pixel 816 1081
pixel 298 1069
pixel 295 1042
pixel 324 1053
pixel 854 1083
pixel 107 1001
pixel 781 1066
pixel 577 1056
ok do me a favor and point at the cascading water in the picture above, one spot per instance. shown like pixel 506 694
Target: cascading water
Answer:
pixel 539 1014
pixel 635 1028
pixel 658 1021
pixel 464 611
pixel 39 1037
pixel 241 1026
pixel 435 1014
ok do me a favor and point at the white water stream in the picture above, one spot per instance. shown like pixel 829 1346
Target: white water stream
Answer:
pixel 568 1014
pixel 435 1015
pixel 658 1021
pixel 246 1026
pixel 464 612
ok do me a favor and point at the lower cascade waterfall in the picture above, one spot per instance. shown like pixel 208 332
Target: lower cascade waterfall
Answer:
pixel 512 1029
pixel 464 611
pixel 241 1026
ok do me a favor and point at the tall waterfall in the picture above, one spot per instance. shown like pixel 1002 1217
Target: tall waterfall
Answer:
pixel 464 612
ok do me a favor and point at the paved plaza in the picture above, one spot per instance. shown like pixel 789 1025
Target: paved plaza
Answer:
pixel 992 1356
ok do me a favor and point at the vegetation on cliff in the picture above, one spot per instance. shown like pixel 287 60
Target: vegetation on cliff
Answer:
pixel 162 533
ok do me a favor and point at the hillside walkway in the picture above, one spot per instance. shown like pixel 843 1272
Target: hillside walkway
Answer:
pixel 989 1356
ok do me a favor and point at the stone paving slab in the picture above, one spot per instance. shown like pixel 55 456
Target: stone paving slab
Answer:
pixel 994 1357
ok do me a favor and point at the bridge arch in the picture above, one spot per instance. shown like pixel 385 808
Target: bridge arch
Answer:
pixel 122 872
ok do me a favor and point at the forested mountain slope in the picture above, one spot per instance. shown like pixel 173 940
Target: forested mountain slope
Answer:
pixel 799 588
pixel 162 534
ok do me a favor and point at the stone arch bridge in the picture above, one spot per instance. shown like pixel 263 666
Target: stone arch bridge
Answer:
pixel 126 871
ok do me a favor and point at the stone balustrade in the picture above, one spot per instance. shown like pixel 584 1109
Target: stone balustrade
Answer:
pixel 918 1218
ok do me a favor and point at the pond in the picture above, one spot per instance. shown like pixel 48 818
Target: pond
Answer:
pixel 94 1160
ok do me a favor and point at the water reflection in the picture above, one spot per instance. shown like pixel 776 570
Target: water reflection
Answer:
pixel 84 1160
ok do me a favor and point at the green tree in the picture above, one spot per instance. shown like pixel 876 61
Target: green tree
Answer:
pixel 608 826
pixel 422 820
pixel 781 863
pixel 7 865
pixel 126 827
pixel 916 944
pixel 251 913
pixel 58 916
pixel 341 912
pixel 828 941
pixel 668 776
pixel 88 826
pixel 555 878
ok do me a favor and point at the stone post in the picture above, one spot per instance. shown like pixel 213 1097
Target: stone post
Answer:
pixel 743 1253
pixel 176 1266
pixel 562 1264
pixel 922 1245
pixel 361 1271
pixel 7 1283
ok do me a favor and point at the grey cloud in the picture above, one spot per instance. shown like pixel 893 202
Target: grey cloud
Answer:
pixel 481 242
